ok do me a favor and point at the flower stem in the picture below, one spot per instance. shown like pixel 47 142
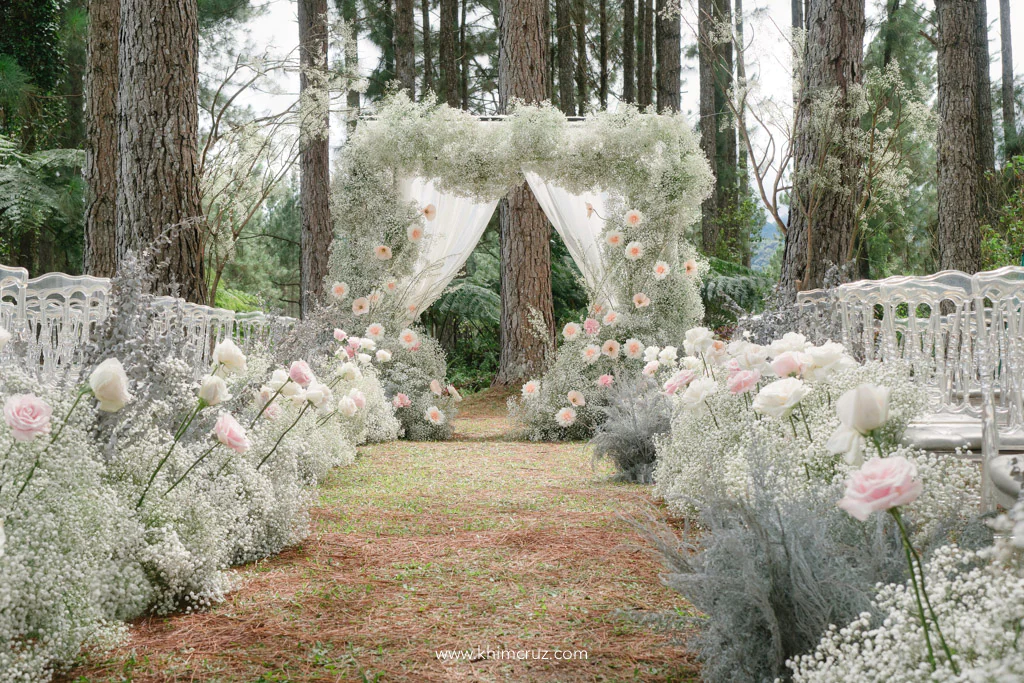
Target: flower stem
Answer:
pixel 191 467
pixel 712 415
pixel 913 555
pixel 177 437
pixel 278 443
pixel 53 439
pixel 807 425
pixel 878 444
pixel 792 423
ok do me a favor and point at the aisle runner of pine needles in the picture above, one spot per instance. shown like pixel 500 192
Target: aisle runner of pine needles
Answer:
pixel 476 544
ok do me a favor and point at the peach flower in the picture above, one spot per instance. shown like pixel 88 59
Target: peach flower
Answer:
pixel 611 348
pixel 531 388
pixel 382 252
pixel 641 300
pixel 339 290
pixel 576 398
pixel 634 251
pixel 434 415
pixel 429 212
pixel 614 238
pixel 634 218
pixel 661 270
pixel 591 353
pixel 414 232
pixel 690 268
pixel 361 306
pixel 571 331
pixel 565 417
pixel 610 318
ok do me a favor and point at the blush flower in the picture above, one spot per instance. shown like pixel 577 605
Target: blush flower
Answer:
pixel 434 415
pixel 565 417
pixel 611 348
pixel 651 368
pixel 28 416
pixel 391 284
pixel 382 252
pixel 436 387
pixel 414 232
pixel 340 334
pixel 375 331
pixel 742 381
pixel 576 398
pixel 879 485
pixel 790 363
pixel 408 338
pixel 605 381
pixel 231 434
pixel 641 300
pixel 361 306
pixel 614 238
pixel 571 331
pixel 429 212
pixel 531 389
pixel 661 270
pixel 590 209
pixel 634 218
pixel 401 401
pixel 690 268
pixel 634 349
pixel 339 290
pixel 610 318
pixel 634 251
pixel 300 373
pixel 591 326
pixel 591 353
pixel 678 381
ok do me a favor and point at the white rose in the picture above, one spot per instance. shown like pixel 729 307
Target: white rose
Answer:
pixel 319 395
pixel 383 356
pixel 350 372
pixel 698 340
pixel 693 363
pixel 109 384
pixel 779 398
pixel 5 337
pixel 227 354
pixel 698 391
pixel 651 353
pixel 864 409
pixel 367 344
pixel 214 390
pixel 347 406
pixel 279 381
pixel 364 358
pixel 848 443
pixel 668 355
pixel 750 356
pixel 791 341
pixel 824 360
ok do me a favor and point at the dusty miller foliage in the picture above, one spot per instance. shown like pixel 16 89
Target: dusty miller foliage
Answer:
pixel 637 412
pixel 782 315
pixel 772 571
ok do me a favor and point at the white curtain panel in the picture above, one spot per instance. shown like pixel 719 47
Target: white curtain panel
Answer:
pixel 581 232
pixel 448 240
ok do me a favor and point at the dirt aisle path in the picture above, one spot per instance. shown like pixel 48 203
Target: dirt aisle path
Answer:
pixel 474 544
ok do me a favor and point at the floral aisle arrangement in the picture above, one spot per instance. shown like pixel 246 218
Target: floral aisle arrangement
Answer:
pixel 132 488
pixel 830 550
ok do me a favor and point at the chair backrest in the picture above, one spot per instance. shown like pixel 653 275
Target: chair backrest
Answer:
pixel 999 326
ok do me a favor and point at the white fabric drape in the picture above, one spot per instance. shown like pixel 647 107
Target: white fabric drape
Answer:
pixel 448 240
pixel 581 232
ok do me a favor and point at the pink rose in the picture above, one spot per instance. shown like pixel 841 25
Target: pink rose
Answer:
pixel 732 366
pixel 28 416
pixel 273 411
pixel 401 401
pixel 436 387
pixel 880 484
pixel 678 381
pixel 358 397
pixel 340 334
pixel 591 326
pixel 300 373
pixel 605 381
pixel 231 434
pixel 789 363
pixel 742 381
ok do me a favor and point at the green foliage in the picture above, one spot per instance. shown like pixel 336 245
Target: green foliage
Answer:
pixel 730 290
pixel 1002 244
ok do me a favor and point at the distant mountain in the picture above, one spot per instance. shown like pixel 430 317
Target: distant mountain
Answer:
pixel 771 239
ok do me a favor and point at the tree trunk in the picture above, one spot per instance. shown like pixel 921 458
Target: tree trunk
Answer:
pixel 821 226
pixel 524 231
pixel 959 237
pixel 314 160
pixel 389 37
pixel 100 255
pixel 582 71
pixel 449 68
pixel 706 66
pixel 566 49
pixel 797 14
pixel 741 80
pixel 628 52
pixel 645 87
pixel 350 13
pixel 405 46
pixel 669 55
pixel 465 58
pixel 1011 145
pixel 428 61
pixel 602 53
pixel 158 116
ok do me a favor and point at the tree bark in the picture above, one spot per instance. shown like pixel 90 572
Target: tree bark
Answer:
pixel 959 237
pixel 524 231
pixel 464 71
pixel 669 55
pixel 797 14
pixel 388 17
pixel 405 46
pixel 582 71
pixel 821 226
pixel 602 53
pixel 100 255
pixel 565 47
pixel 158 116
pixel 645 87
pixel 350 13
pixel 706 67
pixel 628 51
pixel 314 160
pixel 741 79
pixel 449 68
pixel 1011 144
pixel 428 61
pixel 983 62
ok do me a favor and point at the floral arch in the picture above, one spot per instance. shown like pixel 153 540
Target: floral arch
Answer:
pixel 416 185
